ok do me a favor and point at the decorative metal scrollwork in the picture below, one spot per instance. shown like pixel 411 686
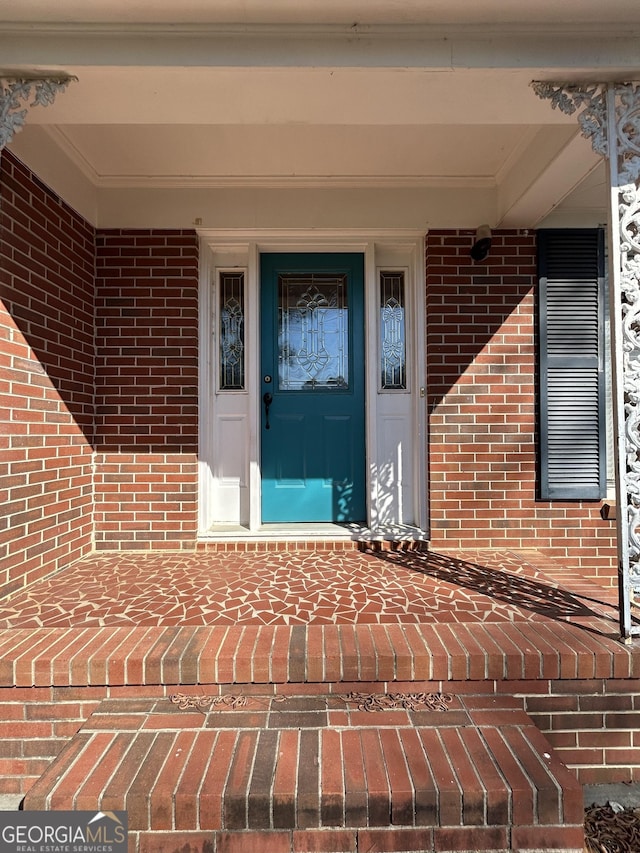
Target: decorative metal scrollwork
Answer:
pixel 591 99
pixel 629 224
pixel 610 118
pixel 15 99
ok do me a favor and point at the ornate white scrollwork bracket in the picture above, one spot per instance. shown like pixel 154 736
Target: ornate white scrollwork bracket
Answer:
pixel 609 115
pixel 591 99
pixel 17 94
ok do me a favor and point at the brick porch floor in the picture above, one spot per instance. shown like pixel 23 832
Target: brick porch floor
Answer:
pixel 487 627
pixel 312 587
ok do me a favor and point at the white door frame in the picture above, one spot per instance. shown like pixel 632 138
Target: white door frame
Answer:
pixel 241 248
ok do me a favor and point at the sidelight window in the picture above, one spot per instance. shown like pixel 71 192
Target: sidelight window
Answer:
pixel 393 339
pixel 231 331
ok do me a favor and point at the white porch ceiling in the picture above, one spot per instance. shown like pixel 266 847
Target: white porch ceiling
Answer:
pixel 425 104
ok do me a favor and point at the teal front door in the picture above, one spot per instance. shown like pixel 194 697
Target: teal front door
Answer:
pixel 312 387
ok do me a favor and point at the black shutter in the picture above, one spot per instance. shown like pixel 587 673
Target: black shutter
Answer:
pixel 571 364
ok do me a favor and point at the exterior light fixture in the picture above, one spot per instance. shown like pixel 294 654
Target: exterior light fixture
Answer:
pixel 481 243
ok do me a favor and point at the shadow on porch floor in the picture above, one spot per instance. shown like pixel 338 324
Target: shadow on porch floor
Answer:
pixel 313 587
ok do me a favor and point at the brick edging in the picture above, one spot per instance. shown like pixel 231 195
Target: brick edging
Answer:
pixel 323 653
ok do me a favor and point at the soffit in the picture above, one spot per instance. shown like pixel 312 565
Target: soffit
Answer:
pixel 208 154
pixel 287 94
pixel 202 127
pixel 164 95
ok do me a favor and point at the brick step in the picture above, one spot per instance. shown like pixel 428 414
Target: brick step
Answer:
pixel 267 654
pixel 319 773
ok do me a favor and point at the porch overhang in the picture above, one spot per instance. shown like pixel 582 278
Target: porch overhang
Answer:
pixel 223 117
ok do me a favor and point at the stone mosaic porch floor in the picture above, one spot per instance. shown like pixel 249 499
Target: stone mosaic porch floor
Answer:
pixel 342 586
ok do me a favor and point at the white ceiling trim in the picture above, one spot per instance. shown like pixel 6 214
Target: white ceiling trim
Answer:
pixel 575 28
pixel 283 239
pixel 575 162
pixel 59 138
pixel 580 52
pixel 294 182
pixel 517 152
pixel 345 12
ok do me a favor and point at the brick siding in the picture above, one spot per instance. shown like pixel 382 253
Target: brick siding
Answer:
pixel 146 389
pixel 46 379
pixel 37 722
pixel 592 724
pixel 136 291
pixel 482 410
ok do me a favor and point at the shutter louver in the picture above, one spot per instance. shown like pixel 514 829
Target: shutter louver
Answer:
pixel 571 293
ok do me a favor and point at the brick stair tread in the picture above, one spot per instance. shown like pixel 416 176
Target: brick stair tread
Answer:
pixel 313 762
pixel 310 653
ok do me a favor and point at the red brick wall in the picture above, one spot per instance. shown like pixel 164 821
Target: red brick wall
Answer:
pixel 480 362
pixel 46 379
pixel 591 723
pixel 482 406
pixel 146 389
pixel 35 724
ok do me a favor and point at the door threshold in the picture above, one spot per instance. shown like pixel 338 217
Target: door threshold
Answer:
pixel 278 532
pixel 314 531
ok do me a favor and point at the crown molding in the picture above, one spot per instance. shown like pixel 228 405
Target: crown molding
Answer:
pixel 174 182
pixel 413 32
pixel 293 182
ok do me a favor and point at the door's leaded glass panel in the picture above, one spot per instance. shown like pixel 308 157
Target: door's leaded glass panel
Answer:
pixel 232 376
pixel 393 372
pixel 313 331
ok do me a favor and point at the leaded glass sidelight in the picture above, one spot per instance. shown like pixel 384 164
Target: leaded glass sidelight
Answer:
pixel 232 331
pixel 393 347
pixel 313 332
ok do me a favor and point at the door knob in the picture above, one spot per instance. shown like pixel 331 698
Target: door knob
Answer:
pixel 267 399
